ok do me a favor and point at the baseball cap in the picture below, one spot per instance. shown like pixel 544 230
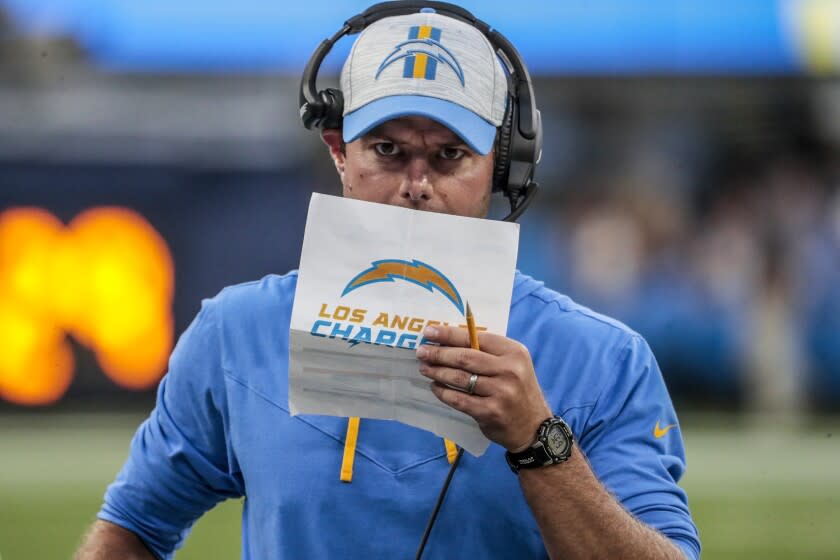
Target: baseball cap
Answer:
pixel 425 64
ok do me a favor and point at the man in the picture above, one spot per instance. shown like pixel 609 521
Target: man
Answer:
pixel 221 427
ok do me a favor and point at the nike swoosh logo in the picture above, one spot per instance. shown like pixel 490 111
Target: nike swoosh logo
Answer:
pixel 660 432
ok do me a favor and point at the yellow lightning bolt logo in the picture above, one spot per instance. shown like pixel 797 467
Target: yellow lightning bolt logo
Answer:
pixel 413 271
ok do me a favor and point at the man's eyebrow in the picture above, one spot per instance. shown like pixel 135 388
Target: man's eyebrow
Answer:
pixel 379 134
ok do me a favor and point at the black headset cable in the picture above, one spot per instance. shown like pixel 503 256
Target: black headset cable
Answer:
pixel 439 502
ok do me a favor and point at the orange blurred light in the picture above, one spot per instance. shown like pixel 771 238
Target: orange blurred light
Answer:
pixel 108 279
pixel 131 369
pixel 27 240
pixel 36 365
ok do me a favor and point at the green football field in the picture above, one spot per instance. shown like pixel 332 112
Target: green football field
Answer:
pixel 757 491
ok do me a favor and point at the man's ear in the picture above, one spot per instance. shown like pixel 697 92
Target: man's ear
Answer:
pixel 332 138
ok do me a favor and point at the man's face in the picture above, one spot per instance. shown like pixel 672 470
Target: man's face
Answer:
pixel 416 163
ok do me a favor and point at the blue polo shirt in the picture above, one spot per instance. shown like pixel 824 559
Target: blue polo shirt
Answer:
pixel 221 429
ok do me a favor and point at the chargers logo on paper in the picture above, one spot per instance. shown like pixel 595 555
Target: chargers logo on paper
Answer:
pixel 353 324
pixel 413 271
pixel 422 52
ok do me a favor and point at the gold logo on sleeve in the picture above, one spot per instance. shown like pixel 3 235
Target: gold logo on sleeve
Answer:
pixel 660 432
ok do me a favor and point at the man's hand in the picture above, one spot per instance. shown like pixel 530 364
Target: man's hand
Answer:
pixel 507 403
pixel 582 521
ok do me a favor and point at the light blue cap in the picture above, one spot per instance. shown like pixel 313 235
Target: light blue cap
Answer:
pixel 458 80
pixel 476 132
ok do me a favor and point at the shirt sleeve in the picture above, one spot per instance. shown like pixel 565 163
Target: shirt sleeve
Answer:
pixel 180 464
pixel 634 444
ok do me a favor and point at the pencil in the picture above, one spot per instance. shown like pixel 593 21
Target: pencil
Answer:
pixel 471 329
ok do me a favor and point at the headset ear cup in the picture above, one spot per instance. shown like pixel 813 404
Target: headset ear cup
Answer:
pixel 310 114
pixel 327 112
pixel 333 101
pixel 502 163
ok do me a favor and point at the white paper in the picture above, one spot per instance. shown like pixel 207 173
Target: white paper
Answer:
pixel 371 277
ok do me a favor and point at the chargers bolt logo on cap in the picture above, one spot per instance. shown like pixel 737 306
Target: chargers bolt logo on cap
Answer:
pixel 420 61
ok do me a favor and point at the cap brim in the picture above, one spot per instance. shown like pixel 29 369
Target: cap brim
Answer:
pixel 477 133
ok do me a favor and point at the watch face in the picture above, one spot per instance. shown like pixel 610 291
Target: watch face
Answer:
pixel 557 441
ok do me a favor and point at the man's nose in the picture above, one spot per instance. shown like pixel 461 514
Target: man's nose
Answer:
pixel 417 184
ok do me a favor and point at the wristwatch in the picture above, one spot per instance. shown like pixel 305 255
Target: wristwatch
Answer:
pixel 554 445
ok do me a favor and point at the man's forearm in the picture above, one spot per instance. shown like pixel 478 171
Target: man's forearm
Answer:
pixel 107 541
pixel 578 518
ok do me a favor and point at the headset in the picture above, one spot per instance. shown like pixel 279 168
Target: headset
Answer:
pixel 519 143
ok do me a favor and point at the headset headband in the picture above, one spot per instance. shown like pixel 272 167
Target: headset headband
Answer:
pixel 520 135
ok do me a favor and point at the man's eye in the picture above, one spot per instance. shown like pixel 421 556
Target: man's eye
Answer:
pixel 386 149
pixel 451 153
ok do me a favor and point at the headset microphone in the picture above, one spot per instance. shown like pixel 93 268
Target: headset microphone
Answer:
pixel 519 144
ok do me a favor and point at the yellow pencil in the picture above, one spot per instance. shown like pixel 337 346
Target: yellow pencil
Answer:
pixel 452 451
pixel 471 329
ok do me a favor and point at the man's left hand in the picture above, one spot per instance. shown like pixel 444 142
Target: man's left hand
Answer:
pixel 507 401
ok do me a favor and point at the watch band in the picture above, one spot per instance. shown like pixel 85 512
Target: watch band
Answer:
pixel 533 457
pixel 539 454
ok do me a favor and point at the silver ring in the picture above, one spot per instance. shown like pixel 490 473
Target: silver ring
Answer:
pixel 471 384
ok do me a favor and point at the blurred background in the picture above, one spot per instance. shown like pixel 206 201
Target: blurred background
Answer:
pixel 151 154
